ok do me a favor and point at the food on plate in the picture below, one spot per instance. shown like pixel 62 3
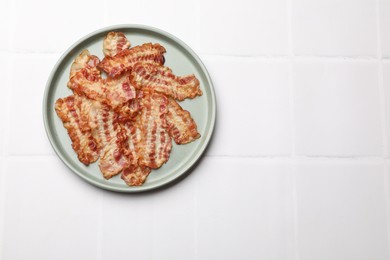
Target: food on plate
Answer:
pixel 162 79
pixel 124 60
pixel 128 119
pixel 156 142
pixel 179 124
pixel 83 142
pixel 114 43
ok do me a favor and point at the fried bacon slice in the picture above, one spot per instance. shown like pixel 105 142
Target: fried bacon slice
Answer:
pixel 135 175
pixel 109 135
pixel 114 43
pixel 162 79
pixel 83 142
pixel 119 90
pixel 134 132
pixel 123 61
pixel 179 124
pixel 129 118
pixel 85 61
pixel 88 82
pixel 156 143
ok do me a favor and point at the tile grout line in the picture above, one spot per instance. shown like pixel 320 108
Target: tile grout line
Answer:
pixel 387 202
pixel 381 83
pixel 384 123
pixel 295 214
pixel 291 56
pixel 10 68
pixel 31 52
pixel 196 223
pixel 289 158
pixel 298 157
pixel 4 155
pixel 196 188
pixel 99 247
pixel 4 150
pixel 2 204
pixel 294 57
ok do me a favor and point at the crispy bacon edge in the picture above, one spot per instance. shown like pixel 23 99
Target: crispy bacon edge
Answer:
pixel 157 144
pixel 114 43
pixel 83 143
pixel 135 175
pixel 112 159
pixel 84 61
pixel 161 79
pixel 179 124
pixel 123 61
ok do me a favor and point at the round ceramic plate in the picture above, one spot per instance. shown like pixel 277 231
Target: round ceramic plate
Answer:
pixel 181 59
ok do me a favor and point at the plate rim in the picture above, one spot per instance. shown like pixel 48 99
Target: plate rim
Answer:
pixel 194 159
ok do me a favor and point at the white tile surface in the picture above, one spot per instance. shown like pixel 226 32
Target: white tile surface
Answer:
pixel 50 213
pixel 253 107
pixel 244 27
pixel 177 17
pixel 384 10
pixel 386 87
pixel 6 81
pixel 243 201
pixel 337 109
pixel 341 212
pixel 2 192
pixel 334 27
pixel 26 104
pixel 243 209
pixel 6 24
pixel 52 26
pixel 387 201
pixel 158 225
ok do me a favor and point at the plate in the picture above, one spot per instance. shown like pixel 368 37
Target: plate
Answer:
pixel 181 59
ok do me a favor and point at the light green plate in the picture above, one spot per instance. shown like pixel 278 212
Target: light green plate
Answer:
pixel 181 59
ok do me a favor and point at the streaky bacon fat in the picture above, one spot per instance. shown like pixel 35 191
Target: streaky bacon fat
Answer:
pixel 113 92
pixel 83 142
pixel 161 79
pixel 157 143
pixel 109 135
pixel 135 175
pixel 179 124
pixel 84 61
pixel 114 43
pixel 123 61
pixel 129 118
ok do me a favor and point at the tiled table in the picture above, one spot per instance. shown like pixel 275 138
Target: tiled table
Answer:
pixel 298 168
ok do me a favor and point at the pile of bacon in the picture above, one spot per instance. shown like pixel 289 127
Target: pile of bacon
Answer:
pixel 129 118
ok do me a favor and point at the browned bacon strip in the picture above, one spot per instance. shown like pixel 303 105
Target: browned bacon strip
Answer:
pixel 84 61
pixel 161 79
pixel 114 43
pixel 123 61
pixel 119 90
pixel 135 175
pixel 112 161
pixel 109 135
pixel 133 145
pixel 179 124
pixel 113 92
pixel 87 83
pixel 157 143
pixel 83 142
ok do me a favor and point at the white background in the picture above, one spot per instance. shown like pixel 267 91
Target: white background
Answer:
pixel 299 164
